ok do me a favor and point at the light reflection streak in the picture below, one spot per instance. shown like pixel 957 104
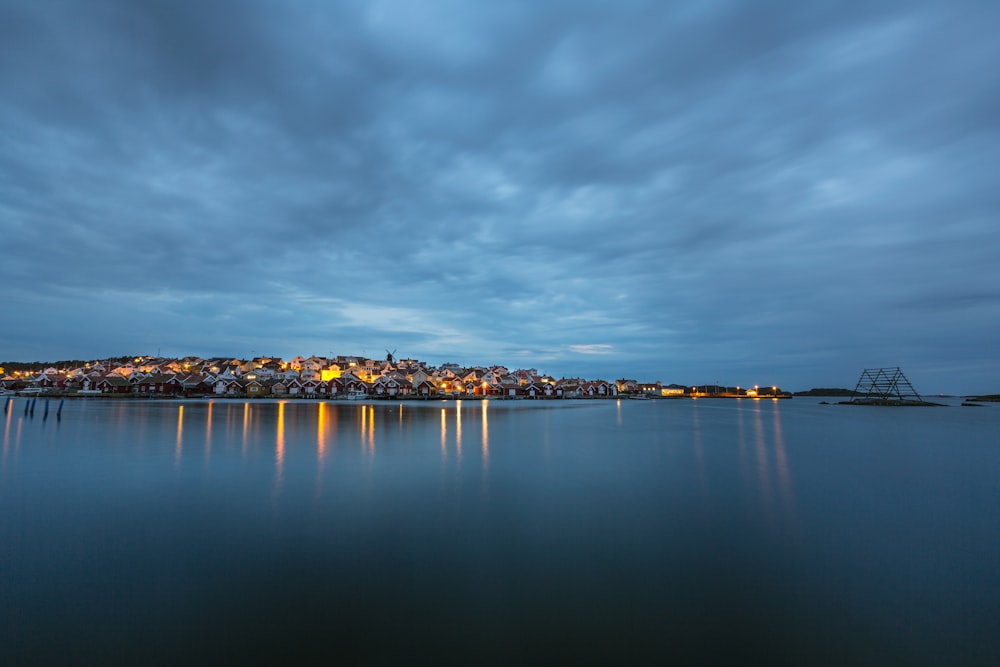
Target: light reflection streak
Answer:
pixel 458 430
pixel 6 431
pixel 208 432
pixel 229 424
pixel 246 428
pixel 444 435
pixel 364 426
pixel 371 430
pixel 179 447
pixel 762 463
pixel 699 458
pixel 320 447
pixel 742 440
pixel 486 437
pixel 782 461
pixel 618 408
pixel 321 434
pixel 279 451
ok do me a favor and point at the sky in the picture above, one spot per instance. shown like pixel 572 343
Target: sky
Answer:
pixel 767 192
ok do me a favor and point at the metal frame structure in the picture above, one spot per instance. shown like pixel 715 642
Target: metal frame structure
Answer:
pixel 884 385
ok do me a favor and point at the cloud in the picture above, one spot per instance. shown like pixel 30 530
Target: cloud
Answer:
pixel 780 187
pixel 593 348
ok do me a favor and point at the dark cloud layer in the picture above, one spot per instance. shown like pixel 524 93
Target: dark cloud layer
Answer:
pixel 751 192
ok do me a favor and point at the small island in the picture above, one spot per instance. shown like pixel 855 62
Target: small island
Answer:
pixel 337 377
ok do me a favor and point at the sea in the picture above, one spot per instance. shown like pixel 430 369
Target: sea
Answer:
pixel 616 532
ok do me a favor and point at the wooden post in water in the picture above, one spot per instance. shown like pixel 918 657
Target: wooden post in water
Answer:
pixel 7 404
pixel 59 409
pixel 45 415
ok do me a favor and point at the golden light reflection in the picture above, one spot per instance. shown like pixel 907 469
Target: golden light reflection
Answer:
pixel 486 437
pixel 179 447
pixel 371 430
pixel 364 425
pixel 279 450
pixel 246 427
pixel 321 429
pixel 321 433
pixel 618 408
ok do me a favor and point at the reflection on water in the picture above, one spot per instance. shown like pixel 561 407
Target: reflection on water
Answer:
pixel 6 432
pixel 279 450
pixel 768 445
pixel 696 434
pixel 782 461
pixel 321 432
pixel 281 425
pixel 246 429
pixel 208 431
pixel 458 430
pixel 179 447
pixel 589 525
pixel 763 472
pixel 485 438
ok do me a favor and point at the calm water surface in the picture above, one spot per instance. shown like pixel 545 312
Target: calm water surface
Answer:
pixel 601 532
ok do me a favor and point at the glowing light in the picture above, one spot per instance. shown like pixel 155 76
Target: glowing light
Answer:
pixel 486 437
pixel 321 432
pixel 371 430
pixel 179 447
pixel 246 425
pixel 279 450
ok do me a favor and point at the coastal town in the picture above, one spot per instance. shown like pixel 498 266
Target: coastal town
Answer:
pixel 339 377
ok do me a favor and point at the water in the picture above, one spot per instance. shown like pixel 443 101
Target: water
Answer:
pixel 597 532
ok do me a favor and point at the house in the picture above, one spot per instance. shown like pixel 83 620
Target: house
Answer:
pixel 418 377
pixel 511 389
pixel 651 388
pixel 533 390
pixel 158 384
pixel 256 388
pixel 349 384
pixel 386 386
pixel 424 388
pixel 193 383
pixel 113 384
pixel 626 386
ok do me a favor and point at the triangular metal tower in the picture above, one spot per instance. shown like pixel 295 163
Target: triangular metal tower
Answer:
pixel 884 385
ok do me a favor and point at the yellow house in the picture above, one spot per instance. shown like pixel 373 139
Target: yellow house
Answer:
pixel 332 372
